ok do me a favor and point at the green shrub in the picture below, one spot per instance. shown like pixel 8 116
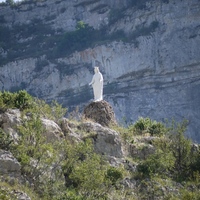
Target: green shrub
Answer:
pixel 79 39
pixel 7 99
pixel 190 195
pixel 5 140
pixel 146 125
pixel 38 158
pixel 174 155
pixel 114 175
pixel 53 110
pixel 85 171
pixel 181 148
pixel 4 194
pixel 23 100
pixel 156 128
pixel 159 163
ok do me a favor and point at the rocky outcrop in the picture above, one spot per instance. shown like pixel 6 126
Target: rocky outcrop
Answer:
pixel 153 73
pixel 9 121
pixel 141 148
pixel 106 141
pixel 52 131
pixel 9 166
pixel 100 112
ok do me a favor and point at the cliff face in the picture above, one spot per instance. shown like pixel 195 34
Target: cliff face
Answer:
pixel 155 74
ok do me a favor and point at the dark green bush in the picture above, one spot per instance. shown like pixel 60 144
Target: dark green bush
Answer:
pixel 146 125
pixel 174 155
pixel 79 39
pixel 158 163
pixel 5 140
pixel 21 100
pixel 114 175
pixel 7 99
pixel 181 148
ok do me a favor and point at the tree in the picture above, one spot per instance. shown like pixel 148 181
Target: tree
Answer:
pixel 10 2
pixel 181 148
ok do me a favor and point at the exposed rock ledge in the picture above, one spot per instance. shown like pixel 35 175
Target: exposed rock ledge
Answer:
pixel 100 112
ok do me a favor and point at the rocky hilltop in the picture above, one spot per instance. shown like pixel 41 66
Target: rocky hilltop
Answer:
pixel 44 155
pixel 150 58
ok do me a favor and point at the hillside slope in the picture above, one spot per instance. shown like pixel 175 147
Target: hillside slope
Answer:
pixel 46 156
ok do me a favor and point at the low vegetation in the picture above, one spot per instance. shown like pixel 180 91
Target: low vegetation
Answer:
pixel 67 169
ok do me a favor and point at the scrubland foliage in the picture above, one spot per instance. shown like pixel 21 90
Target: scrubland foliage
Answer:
pixel 67 169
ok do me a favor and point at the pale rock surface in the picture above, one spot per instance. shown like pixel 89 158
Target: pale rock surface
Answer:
pixel 52 131
pixel 21 195
pixel 9 121
pixel 9 165
pixel 67 128
pixel 106 141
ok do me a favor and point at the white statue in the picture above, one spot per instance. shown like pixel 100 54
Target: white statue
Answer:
pixel 97 84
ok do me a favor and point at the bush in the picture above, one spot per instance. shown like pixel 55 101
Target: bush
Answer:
pixel 79 39
pixel 181 147
pixel 24 101
pixel 158 163
pixel 21 100
pixel 174 155
pixel 7 99
pixel 85 171
pixel 5 140
pixel 38 158
pixel 113 174
pixel 146 125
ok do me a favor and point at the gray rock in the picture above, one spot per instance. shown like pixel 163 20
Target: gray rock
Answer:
pixel 9 165
pixel 21 195
pixel 52 131
pixel 106 141
pixel 68 129
pixel 9 121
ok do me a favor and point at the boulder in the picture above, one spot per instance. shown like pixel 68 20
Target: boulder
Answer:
pixel 52 130
pixel 106 141
pixel 67 128
pixel 142 147
pixel 100 112
pixel 21 195
pixel 9 121
pixel 9 165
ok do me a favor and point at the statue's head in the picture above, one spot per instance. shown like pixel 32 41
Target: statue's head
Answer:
pixel 96 69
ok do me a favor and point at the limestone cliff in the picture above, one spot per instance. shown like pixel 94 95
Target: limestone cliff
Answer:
pixel 152 71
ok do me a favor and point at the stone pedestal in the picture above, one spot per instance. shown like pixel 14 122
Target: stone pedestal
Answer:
pixel 100 112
